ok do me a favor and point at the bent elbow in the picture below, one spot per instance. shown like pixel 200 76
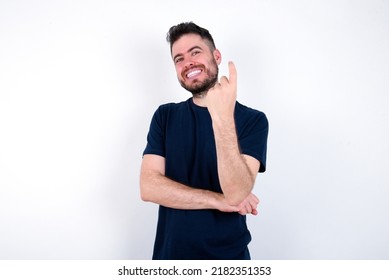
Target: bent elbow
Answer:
pixel 144 197
pixel 144 192
pixel 236 197
pixel 234 200
pixel 147 183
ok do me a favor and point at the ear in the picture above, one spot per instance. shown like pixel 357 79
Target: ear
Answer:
pixel 218 56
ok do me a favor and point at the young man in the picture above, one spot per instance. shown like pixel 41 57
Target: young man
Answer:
pixel 202 157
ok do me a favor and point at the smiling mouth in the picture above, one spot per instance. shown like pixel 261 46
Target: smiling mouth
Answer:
pixel 193 73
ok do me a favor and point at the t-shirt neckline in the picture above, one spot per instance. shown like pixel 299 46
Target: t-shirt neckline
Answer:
pixel 194 105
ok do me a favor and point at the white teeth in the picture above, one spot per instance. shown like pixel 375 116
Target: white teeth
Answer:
pixel 193 73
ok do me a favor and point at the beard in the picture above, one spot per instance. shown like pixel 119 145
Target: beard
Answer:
pixel 200 88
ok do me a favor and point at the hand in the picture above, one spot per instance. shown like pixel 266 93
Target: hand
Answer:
pixel 249 205
pixel 222 97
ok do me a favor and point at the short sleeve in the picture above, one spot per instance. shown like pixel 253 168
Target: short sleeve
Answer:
pixel 252 137
pixel 156 135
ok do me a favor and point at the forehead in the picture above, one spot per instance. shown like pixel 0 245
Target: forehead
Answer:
pixel 186 42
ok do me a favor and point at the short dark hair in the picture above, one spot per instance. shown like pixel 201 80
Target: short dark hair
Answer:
pixel 177 31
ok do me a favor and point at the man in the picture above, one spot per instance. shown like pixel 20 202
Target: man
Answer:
pixel 202 157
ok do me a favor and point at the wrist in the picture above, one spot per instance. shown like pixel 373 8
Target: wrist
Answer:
pixel 223 124
pixel 214 200
pixel 218 202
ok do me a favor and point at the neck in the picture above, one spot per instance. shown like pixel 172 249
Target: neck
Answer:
pixel 200 99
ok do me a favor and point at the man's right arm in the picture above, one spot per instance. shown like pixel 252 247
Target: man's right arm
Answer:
pixel 157 188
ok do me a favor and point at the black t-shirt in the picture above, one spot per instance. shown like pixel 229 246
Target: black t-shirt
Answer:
pixel 182 133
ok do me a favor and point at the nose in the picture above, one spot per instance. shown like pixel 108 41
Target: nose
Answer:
pixel 188 63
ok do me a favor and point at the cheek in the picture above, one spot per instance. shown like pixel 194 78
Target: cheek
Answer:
pixel 179 71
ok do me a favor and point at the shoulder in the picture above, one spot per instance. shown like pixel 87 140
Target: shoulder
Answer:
pixel 170 112
pixel 172 107
pixel 244 113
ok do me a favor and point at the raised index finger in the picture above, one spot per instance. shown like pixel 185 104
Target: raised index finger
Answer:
pixel 233 75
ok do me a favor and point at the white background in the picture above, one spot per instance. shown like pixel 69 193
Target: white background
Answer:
pixel 80 80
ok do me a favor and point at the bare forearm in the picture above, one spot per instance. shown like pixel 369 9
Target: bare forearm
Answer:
pixel 235 177
pixel 159 189
pixel 156 187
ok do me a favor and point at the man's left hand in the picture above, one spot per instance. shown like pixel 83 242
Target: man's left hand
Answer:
pixel 222 97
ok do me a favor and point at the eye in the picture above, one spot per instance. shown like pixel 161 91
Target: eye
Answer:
pixel 195 52
pixel 178 60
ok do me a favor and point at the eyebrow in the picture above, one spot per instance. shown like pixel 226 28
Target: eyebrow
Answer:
pixel 188 51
